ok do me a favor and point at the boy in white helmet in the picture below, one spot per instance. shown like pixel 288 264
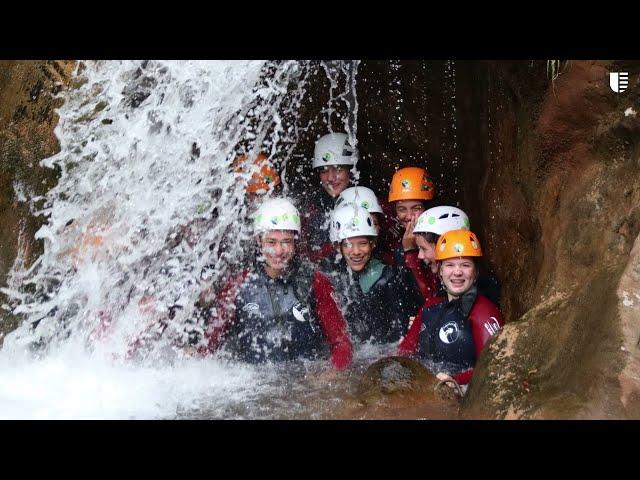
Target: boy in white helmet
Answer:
pixel 367 199
pixel 280 308
pixel 334 158
pixel 378 298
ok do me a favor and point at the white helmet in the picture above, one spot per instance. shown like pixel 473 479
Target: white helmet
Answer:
pixel 440 220
pixel 350 220
pixel 361 196
pixel 276 214
pixel 334 149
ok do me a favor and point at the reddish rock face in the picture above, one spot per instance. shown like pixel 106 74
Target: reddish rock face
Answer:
pixel 575 166
pixel 547 171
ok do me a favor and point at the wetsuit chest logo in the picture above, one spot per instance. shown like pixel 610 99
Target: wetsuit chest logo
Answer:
pixel 251 308
pixel 449 332
pixel 300 312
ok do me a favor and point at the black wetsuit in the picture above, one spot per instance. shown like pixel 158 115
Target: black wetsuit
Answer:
pixel 378 301
pixel 274 320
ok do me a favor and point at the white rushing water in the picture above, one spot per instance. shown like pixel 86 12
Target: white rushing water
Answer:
pixel 145 151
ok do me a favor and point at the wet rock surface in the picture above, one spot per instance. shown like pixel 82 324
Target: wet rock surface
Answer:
pixel 27 122
pixel 563 352
pixel 402 388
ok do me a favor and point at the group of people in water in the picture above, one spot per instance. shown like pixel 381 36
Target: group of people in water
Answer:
pixel 329 271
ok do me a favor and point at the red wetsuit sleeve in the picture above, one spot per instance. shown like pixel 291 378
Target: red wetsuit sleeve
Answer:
pixel 409 343
pixel 225 313
pixel 426 280
pixel 463 377
pixel 307 247
pixel 331 321
pixel 486 321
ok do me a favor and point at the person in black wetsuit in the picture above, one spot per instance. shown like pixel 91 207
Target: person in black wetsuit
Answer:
pixel 451 329
pixel 378 299
pixel 333 158
pixel 433 223
pixel 280 308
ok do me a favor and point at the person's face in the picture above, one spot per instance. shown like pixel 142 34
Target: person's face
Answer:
pixel 407 210
pixel 426 250
pixel 357 252
pixel 278 248
pixel 458 275
pixel 334 179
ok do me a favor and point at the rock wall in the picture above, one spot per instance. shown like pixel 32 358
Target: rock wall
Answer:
pixel 27 122
pixel 570 349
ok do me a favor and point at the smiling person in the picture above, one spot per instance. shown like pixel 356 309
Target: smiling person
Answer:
pixel 279 309
pixel 430 226
pixel 411 189
pixel 451 329
pixel 367 199
pixel 378 299
pixel 333 158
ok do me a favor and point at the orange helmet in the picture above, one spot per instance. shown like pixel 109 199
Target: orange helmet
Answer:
pixel 411 183
pixel 458 243
pixel 264 179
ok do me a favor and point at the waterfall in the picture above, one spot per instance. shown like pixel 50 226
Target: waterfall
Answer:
pixel 133 233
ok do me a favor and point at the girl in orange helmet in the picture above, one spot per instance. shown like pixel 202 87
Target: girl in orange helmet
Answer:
pixel 451 329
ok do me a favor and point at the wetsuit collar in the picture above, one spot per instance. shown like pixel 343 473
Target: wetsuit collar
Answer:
pixel 370 274
pixel 466 301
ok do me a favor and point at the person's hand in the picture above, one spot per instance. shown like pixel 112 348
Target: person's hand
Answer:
pixel 328 375
pixel 450 382
pixel 409 239
pixel 192 351
pixel 444 377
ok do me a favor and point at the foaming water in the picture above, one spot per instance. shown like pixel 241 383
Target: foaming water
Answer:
pixel 71 383
pixel 145 153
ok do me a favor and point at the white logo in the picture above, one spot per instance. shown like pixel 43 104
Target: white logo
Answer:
pixel 251 307
pixel 492 327
pixel 300 312
pixel 618 81
pixel 449 332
